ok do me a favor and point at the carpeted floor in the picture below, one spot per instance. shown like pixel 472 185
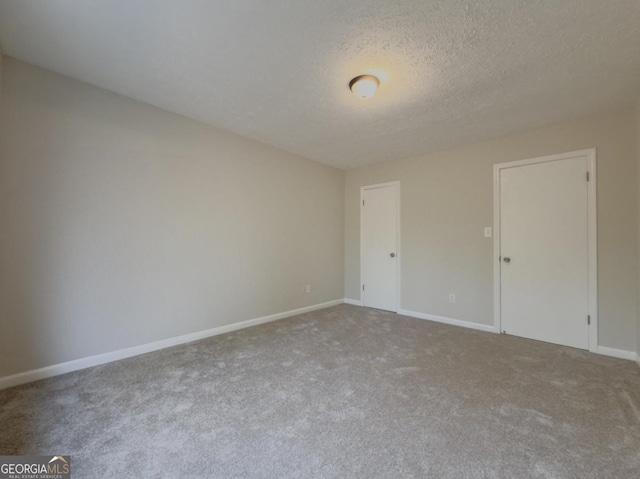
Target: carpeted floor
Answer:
pixel 339 393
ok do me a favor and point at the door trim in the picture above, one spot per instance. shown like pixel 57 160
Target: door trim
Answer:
pixel 592 236
pixel 398 244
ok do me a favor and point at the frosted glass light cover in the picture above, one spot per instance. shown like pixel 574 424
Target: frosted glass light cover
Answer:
pixel 364 86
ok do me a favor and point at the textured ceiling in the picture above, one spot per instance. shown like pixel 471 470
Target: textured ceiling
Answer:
pixel 452 71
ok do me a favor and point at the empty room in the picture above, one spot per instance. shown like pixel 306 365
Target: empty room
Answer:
pixel 320 239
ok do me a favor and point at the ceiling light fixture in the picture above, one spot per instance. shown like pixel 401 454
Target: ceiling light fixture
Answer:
pixel 364 86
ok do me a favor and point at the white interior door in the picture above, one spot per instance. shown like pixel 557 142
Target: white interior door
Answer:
pixel 544 251
pixel 379 234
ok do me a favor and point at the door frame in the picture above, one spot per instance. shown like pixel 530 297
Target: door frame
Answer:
pixel 398 247
pixel 592 236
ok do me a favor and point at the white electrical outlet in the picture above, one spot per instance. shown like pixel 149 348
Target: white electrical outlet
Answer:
pixel 487 231
pixel 307 288
pixel 452 298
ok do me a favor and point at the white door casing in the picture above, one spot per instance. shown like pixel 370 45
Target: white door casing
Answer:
pixel 545 249
pixel 379 246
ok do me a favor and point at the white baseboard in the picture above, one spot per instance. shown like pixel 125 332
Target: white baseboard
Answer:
pixel 355 302
pixel 83 363
pixel 616 353
pixel 455 322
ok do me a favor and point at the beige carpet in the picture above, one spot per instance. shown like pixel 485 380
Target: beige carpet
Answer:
pixel 339 393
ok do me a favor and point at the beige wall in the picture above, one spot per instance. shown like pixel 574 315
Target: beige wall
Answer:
pixel 447 199
pixel 123 224
pixel 638 219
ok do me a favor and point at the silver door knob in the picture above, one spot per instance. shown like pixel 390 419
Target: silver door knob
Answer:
pixel 393 255
pixel 506 259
